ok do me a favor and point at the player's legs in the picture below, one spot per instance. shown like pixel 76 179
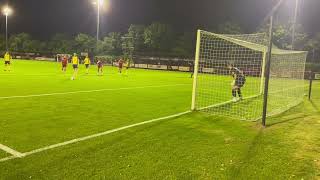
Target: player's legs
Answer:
pixel 240 83
pixel 236 90
pixel 75 72
pixel 7 66
pixel 87 68
pixel 64 69
pixel 100 71
pixel 239 93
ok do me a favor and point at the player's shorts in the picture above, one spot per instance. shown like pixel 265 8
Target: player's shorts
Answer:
pixel 7 62
pixel 120 66
pixel 64 65
pixel 240 81
pixel 87 66
pixel 75 66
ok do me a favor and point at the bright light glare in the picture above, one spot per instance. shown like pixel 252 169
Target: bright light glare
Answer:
pixel 7 11
pixel 104 4
pixel 101 2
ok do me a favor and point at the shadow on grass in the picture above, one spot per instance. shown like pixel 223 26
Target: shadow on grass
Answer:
pixel 315 106
pixel 251 153
pixel 286 120
pixel 287 116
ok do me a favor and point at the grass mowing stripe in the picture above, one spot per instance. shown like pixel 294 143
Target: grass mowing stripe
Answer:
pixel 88 91
pixel 91 136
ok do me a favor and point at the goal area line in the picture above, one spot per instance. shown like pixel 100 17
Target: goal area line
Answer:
pixel 272 114
pixel 73 141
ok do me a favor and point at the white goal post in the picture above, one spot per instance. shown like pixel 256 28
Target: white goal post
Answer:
pixel 216 90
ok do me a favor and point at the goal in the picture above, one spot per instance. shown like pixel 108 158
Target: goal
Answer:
pixel 218 54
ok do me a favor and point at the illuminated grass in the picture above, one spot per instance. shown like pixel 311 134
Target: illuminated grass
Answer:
pixel 194 146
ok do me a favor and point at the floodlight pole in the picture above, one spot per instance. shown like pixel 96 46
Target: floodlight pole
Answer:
pixel 98 20
pixel 294 24
pixel 310 85
pixel 7 32
pixel 267 74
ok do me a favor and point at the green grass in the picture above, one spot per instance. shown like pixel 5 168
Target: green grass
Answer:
pixel 63 117
pixel 3 154
pixel 216 89
pixel 193 146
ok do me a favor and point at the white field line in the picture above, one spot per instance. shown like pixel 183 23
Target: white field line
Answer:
pixel 11 151
pixel 225 103
pixel 250 97
pixel 89 91
pixel 91 137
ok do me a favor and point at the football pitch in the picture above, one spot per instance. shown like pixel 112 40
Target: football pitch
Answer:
pixel 111 127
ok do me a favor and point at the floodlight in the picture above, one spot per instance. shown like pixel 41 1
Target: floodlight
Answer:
pixel 7 11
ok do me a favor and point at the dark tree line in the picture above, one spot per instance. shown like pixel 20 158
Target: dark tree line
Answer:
pixel 156 39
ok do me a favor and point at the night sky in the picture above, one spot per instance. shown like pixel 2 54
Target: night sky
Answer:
pixel 43 18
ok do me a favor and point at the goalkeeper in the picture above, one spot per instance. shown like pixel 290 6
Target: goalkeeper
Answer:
pixel 238 83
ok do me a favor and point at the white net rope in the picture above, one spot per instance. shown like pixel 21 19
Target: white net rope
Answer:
pixel 222 56
pixel 287 84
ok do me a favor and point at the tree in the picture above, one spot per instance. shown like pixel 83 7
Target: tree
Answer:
pixel 61 43
pixel 313 46
pixel 229 28
pixel 114 42
pixel 128 46
pixel 136 36
pixel 20 42
pixel 84 43
pixel 283 36
pixel 111 44
pixel 185 45
pixel 158 37
pixel 32 46
pixel 2 42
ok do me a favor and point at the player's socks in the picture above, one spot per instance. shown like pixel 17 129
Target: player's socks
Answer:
pixel 234 93
pixel 239 93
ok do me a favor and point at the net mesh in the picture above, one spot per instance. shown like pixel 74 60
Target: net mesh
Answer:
pixel 247 53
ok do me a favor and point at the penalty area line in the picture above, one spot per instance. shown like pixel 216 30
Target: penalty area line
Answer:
pixel 73 141
pixel 11 151
pixel 89 91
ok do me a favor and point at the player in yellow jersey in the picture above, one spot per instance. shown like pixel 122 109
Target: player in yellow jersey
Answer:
pixel 87 64
pixel 75 64
pixel 7 61
pixel 127 66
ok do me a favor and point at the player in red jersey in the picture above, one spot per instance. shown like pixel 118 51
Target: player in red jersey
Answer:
pixel 120 63
pixel 100 68
pixel 64 63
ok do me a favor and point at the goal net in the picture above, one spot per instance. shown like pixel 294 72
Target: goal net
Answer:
pixel 229 76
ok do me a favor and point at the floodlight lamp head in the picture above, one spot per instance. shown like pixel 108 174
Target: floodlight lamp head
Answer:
pixel 98 2
pixel 7 11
